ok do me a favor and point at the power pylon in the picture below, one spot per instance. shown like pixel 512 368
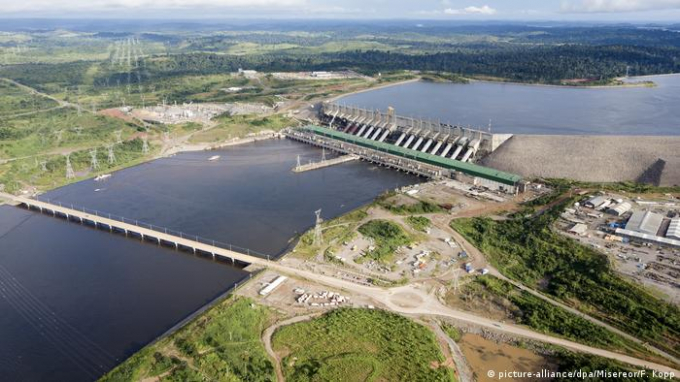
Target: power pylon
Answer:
pixel 298 162
pixel 323 154
pixel 70 174
pixel 119 134
pixel 112 156
pixel 318 235
pixel 145 146
pixel 93 155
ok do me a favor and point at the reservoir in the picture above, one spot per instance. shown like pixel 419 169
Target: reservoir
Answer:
pixel 530 109
pixel 76 301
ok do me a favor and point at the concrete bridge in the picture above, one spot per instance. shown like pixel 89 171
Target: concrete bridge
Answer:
pixel 408 299
pixel 148 232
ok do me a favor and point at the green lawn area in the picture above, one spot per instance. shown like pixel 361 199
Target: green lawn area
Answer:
pixel 223 344
pixel 387 236
pixel 360 345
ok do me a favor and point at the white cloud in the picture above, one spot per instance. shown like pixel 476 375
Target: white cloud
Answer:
pixel 613 6
pixel 78 5
pixel 471 10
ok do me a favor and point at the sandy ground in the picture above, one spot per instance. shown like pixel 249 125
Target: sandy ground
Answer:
pixel 591 158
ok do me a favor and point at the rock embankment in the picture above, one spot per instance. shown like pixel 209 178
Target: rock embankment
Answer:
pixel 654 160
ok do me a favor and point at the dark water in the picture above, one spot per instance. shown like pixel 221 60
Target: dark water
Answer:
pixel 74 300
pixel 525 109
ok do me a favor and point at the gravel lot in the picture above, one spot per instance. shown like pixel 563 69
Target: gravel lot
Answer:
pixel 654 160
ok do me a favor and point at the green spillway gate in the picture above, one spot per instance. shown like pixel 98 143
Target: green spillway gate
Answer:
pixel 470 169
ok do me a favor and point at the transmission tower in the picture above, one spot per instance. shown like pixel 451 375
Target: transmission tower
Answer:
pixel 145 146
pixel 112 156
pixel 119 134
pixel 318 236
pixel 70 174
pixel 58 134
pixel 43 165
pixel 93 155
pixel 298 162
pixel 323 154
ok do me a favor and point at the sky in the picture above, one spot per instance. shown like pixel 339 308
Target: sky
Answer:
pixel 554 10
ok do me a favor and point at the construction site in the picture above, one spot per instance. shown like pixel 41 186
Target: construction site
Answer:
pixel 430 149
pixel 640 236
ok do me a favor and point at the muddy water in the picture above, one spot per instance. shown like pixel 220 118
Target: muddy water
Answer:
pixel 485 355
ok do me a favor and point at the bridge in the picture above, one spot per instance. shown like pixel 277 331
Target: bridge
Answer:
pixel 421 302
pixel 145 231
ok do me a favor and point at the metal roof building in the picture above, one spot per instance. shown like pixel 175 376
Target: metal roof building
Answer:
pixel 620 208
pixel 645 222
pixel 673 231
pixel 596 202
pixel 435 160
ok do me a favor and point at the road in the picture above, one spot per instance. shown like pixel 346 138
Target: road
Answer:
pixel 267 340
pixel 495 272
pixel 408 299
pixel 29 89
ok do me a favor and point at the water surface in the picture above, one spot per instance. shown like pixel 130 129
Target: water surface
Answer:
pixel 75 301
pixel 527 109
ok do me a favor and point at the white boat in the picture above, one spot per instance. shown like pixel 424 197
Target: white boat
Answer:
pixel 214 158
pixel 99 178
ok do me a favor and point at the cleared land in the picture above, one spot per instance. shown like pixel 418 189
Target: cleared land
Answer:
pixel 591 158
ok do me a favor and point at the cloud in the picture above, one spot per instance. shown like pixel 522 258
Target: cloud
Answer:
pixel 62 5
pixel 471 10
pixel 615 6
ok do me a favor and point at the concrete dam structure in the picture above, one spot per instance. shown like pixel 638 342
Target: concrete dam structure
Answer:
pixel 436 138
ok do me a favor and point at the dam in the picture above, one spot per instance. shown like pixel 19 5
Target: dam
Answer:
pixel 431 149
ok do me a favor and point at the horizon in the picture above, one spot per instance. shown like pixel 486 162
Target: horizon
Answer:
pixel 588 11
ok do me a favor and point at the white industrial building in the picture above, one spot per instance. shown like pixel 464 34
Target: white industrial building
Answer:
pixel 645 222
pixel 673 231
pixel 620 208
pixel 597 202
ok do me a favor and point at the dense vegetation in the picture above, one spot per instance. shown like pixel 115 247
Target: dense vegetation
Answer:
pixel 527 250
pixel 544 317
pixel 221 345
pixel 360 345
pixel 419 223
pixel 387 236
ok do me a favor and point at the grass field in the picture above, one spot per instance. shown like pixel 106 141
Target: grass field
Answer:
pixel 221 345
pixel 360 345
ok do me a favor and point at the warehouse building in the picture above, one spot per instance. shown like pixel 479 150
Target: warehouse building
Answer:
pixel 646 222
pixel 673 231
pixel 620 208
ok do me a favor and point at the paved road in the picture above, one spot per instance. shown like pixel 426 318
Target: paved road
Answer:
pixel 407 299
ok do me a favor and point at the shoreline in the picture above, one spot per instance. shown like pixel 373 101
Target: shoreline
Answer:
pixel 404 82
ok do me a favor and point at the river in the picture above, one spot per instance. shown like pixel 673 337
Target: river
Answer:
pixel 534 109
pixel 75 301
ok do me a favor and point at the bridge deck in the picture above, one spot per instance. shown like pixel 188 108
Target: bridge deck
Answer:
pixel 136 229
